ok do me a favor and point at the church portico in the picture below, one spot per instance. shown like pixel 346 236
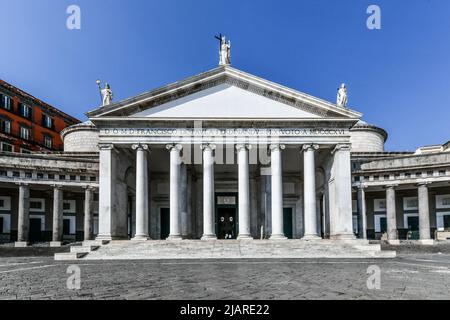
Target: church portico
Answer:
pixel 294 180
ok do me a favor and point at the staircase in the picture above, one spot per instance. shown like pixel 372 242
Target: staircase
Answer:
pixel 224 249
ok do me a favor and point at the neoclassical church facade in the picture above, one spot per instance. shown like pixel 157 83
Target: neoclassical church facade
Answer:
pixel 224 155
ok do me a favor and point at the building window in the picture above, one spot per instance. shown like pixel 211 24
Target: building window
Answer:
pixel 47 121
pixel 25 133
pixel 16 174
pixel 5 102
pixel 40 176
pixel 6 126
pixel 26 111
pixel 62 177
pixel 28 175
pixel 73 178
pixel 37 205
pixel 7 147
pixel 5 203
pixel 3 173
pixel 69 206
pixel 82 178
pixel 48 142
pixel 93 179
pixel 51 176
pixel 24 150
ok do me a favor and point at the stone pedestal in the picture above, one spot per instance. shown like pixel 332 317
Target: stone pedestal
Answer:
pixel 55 244
pixel 20 244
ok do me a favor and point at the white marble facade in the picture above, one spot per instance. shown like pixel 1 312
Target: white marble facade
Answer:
pixel 279 157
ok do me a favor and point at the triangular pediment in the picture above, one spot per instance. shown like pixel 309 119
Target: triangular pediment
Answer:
pixel 224 101
pixel 224 93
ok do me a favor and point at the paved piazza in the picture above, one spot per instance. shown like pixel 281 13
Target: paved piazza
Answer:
pixel 410 276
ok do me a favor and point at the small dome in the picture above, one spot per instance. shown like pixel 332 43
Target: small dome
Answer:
pixel 81 137
pixel 365 137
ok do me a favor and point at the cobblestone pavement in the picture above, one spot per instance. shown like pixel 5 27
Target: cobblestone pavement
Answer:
pixel 409 276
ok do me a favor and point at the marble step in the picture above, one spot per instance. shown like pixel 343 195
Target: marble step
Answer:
pixel 69 256
pixel 235 249
pixel 83 249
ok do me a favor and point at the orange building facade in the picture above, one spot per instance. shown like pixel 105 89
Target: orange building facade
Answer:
pixel 28 124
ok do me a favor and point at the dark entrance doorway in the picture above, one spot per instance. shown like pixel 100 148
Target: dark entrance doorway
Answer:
pixel 165 223
pixel 35 230
pixel 413 223
pixel 446 222
pixel 383 224
pixel 287 223
pixel 227 215
pixel 226 223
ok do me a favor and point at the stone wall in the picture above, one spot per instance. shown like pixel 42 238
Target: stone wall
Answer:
pixel 366 141
pixel 83 140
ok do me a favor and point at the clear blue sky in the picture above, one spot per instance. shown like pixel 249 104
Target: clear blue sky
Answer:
pixel 399 76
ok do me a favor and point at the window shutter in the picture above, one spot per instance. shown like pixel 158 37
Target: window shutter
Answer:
pixel 43 120
pixel 2 102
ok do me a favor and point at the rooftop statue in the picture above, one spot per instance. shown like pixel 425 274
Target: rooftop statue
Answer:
pixel 225 51
pixel 342 98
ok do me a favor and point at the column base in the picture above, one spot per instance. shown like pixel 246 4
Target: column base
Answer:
pixel 311 237
pixel 174 238
pixel 394 242
pixel 277 237
pixel 208 237
pixel 140 237
pixel 105 237
pixel 244 237
pixel 55 244
pixel 20 244
pixel 426 242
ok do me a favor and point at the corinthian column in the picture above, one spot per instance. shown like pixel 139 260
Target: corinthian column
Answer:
pixel 277 192
pixel 208 193
pixel 141 192
pixel 309 193
pixel 175 161
pixel 244 192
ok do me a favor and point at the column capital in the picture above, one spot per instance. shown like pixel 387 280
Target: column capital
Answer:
pixel 140 147
pixel 277 147
pixel 312 146
pixel 175 146
pixel 341 146
pixel 361 186
pixel 22 184
pixel 90 188
pixel 208 146
pixel 390 186
pixel 105 146
pixel 245 146
pixel 423 183
pixel 57 186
